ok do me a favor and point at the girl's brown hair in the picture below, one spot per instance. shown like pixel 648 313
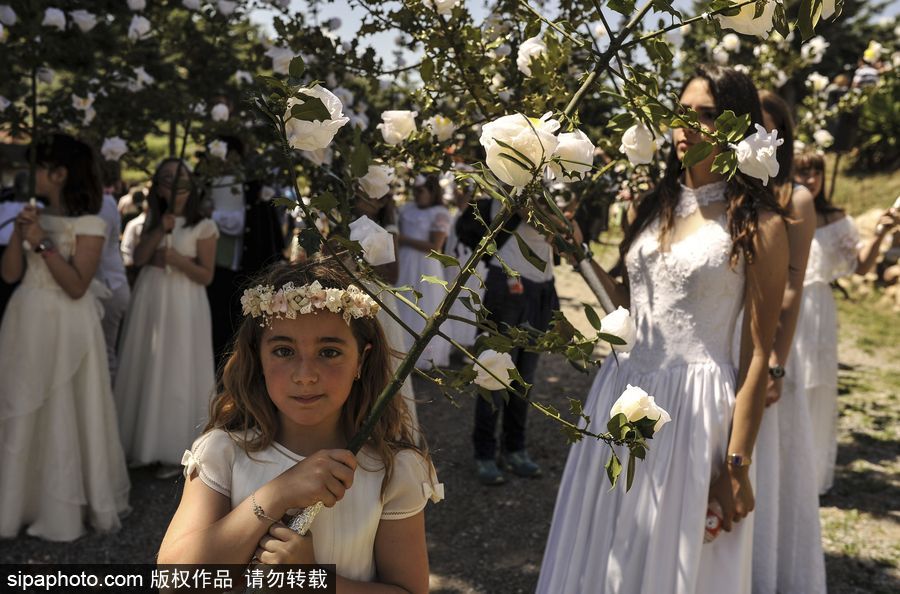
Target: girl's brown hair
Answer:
pixel 780 112
pixel 809 161
pixel 82 192
pixel 746 196
pixel 242 406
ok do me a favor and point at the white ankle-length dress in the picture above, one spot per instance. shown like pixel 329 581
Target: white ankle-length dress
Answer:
pixel 650 540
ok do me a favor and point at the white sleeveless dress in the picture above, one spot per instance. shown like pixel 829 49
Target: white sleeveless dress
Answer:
pixel 649 540
pixel 418 223
pixel 343 534
pixel 166 369
pixel 61 462
pixel 814 357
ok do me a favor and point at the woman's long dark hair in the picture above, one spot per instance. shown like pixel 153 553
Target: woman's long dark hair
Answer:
pixel 82 192
pixel 780 112
pixel 816 162
pixel 746 195
pixel 157 207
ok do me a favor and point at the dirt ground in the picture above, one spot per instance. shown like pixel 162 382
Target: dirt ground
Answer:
pixel 491 540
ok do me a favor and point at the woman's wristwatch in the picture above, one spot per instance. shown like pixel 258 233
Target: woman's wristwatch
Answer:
pixel 776 371
pixel 45 245
pixel 737 460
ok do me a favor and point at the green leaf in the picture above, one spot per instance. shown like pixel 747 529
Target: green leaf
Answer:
pixel 428 278
pixel 780 21
pixel 360 160
pixel 629 474
pixel 516 161
pixel 324 202
pixel 697 153
pixel 731 126
pixel 444 259
pixel 725 163
pixel 613 470
pixel 592 316
pixel 611 338
pixel 625 7
pixel 533 28
pixel 529 254
pixel 426 70
pixel 808 16
pixel 312 109
pixel 297 67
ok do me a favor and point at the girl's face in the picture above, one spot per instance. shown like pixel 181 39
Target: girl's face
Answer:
pixel 697 97
pixel 812 178
pixel 167 185
pixel 49 181
pixel 422 196
pixel 310 364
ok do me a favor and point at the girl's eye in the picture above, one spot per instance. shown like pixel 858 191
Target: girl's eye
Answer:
pixel 282 352
pixel 706 115
pixel 330 353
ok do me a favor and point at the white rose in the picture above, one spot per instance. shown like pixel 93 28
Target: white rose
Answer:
pixel 46 75
pixel 756 154
pixel 576 155
pixel 219 112
pixel 316 134
pixel 141 80
pixel 817 82
pixel 441 127
pixel 731 42
pixel 242 77
pixel 218 149
pixel 396 125
pixel 823 138
pixel 499 364
pixel 377 244
pixel 720 55
pixel 619 323
pixel 530 49
pixel 137 5
pixel 139 28
pixel 377 181
pixel 8 15
pixel 83 20
pixel 191 4
pixel 743 22
pixel 444 7
pixel 814 50
pixel 266 193
pixel 113 148
pixel 82 103
pixel 873 52
pixel 89 114
pixel 4 103
pixel 226 7
pixel 636 404
pixel 532 137
pixel 281 59
pixel 319 157
pixel 54 17
pixel 638 144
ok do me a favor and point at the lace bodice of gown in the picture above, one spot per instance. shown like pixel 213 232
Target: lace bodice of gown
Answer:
pixel 685 301
pixel 832 253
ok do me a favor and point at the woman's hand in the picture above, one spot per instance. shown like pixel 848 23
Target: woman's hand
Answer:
pixel 284 546
pixel 733 491
pixel 28 226
pixel 171 257
pixel 325 476
pixel 887 221
pixel 168 222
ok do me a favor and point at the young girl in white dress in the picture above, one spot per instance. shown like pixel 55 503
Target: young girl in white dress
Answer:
pixel 697 249
pixel 787 540
pixel 296 389
pixel 813 364
pixel 424 225
pixel 166 370
pixel 61 462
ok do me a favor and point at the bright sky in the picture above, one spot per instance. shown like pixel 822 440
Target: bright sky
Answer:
pixel 351 18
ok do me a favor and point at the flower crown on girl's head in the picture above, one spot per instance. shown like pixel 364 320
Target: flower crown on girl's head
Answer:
pixel 265 302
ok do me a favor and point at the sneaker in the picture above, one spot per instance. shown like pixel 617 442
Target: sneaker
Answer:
pixel 488 473
pixel 520 464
